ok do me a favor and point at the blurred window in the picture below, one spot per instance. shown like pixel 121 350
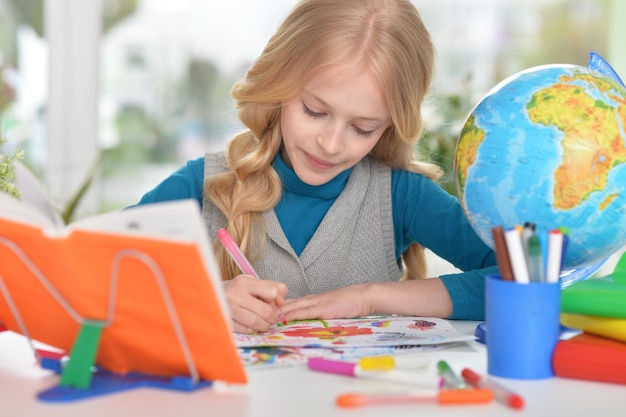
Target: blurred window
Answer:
pixel 23 78
pixel 165 70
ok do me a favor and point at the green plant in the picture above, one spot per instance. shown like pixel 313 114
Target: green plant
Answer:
pixel 6 172
pixel 442 126
pixel 68 212
pixel 7 185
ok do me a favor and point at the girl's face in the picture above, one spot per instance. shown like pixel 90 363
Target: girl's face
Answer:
pixel 332 123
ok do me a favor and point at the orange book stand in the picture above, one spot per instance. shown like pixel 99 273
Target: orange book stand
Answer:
pixel 142 305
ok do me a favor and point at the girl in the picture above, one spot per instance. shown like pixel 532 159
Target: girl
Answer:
pixel 321 191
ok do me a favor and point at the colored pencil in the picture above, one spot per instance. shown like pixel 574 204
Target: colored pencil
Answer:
pixel 502 254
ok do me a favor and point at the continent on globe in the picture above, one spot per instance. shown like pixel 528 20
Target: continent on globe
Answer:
pixel 591 142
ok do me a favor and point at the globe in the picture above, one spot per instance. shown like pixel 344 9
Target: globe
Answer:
pixel 548 146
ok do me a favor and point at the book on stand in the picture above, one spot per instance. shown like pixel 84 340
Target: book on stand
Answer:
pixel 146 274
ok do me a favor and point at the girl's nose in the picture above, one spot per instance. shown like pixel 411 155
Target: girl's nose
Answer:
pixel 331 140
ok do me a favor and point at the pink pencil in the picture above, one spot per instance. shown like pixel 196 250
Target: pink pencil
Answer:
pixel 242 262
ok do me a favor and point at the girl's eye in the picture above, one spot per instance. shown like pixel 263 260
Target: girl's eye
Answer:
pixel 366 133
pixel 311 113
pixel 316 115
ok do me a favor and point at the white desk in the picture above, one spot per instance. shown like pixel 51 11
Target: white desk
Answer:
pixel 296 392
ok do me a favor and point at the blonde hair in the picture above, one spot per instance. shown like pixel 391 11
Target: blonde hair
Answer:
pixel 388 38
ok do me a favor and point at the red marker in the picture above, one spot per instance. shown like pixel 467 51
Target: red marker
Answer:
pixel 500 393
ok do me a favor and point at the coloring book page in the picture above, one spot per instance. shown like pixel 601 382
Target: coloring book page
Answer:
pixel 270 357
pixel 374 331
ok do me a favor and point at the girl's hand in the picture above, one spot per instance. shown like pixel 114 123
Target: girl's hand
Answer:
pixel 420 297
pixel 348 302
pixel 251 302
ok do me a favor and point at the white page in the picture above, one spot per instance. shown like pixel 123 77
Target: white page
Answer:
pixel 178 220
pixel 17 210
pixel 33 193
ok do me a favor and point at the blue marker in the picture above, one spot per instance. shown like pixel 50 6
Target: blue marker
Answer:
pixel 565 232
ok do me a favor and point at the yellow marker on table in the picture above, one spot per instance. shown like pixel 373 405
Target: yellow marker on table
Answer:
pixel 387 362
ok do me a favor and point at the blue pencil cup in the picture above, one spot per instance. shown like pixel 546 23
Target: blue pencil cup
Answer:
pixel 523 327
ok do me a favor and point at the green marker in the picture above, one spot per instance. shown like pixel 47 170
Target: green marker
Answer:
pixel 535 261
pixel 450 379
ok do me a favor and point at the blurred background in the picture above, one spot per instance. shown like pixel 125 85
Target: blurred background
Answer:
pixel 131 89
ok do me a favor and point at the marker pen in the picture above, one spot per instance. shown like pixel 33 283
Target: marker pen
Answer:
pixel 351 369
pixel 388 362
pixel 516 254
pixel 444 397
pixel 450 379
pixel 242 262
pixel 535 261
pixel 500 393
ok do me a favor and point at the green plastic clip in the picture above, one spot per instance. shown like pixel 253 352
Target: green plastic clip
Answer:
pixel 77 373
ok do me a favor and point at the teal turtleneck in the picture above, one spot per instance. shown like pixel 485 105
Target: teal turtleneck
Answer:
pixel 303 206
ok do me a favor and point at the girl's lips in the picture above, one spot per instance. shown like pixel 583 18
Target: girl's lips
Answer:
pixel 318 163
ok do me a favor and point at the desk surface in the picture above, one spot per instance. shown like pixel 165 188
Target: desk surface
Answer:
pixel 295 391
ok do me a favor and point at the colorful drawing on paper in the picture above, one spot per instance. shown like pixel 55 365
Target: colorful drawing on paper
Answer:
pixel 270 357
pixel 360 332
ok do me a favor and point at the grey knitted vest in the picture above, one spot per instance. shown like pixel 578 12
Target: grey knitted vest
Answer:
pixel 353 244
